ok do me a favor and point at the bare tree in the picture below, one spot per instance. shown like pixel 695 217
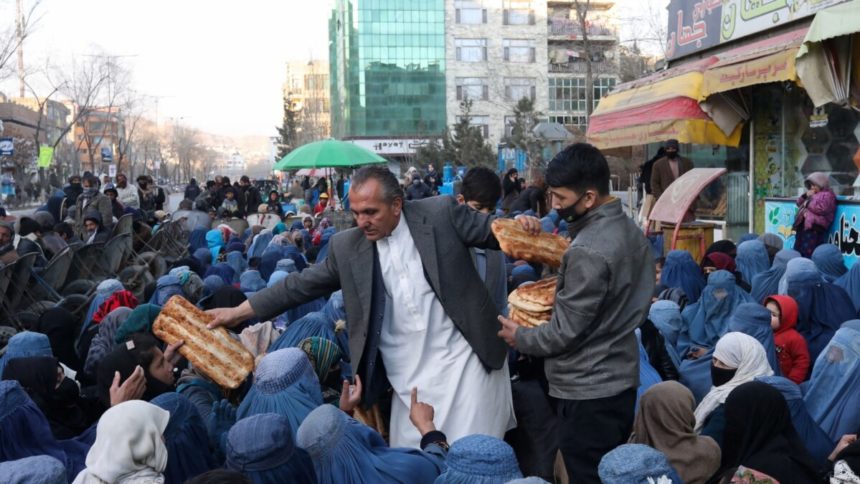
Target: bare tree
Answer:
pixel 582 17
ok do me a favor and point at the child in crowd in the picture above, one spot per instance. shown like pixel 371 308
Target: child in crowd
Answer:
pixel 658 266
pixel 229 207
pixel 791 348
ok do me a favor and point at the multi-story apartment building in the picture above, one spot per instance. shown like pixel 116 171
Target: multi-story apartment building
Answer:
pixel 97 137
pixel 496 55
pixel 307 86
pixel 568 59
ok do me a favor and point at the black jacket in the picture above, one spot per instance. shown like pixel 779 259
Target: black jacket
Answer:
pixel 192 191
pixel 418 191
pixel 249 199
pixel 655 347
pixel 532 198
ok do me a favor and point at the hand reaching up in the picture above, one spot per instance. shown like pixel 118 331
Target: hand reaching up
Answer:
pixel 421 414
pixel 350 395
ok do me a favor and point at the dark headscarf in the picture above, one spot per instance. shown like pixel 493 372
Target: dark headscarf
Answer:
pixel 759 435
pixel 61 326
pixel 24 432
pixel 62 406
pixel 225 297
pixel 139 321
pixel 723 246
pixel 721 261
pixel 222 270
pixel 192 264
pixel 818 443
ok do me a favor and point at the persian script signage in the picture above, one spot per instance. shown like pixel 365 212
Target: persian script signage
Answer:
pixel 696 25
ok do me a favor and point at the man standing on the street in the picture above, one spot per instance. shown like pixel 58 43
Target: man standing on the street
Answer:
pixel 668 169
pixel 603 293
pixel 127 194
pixel 433 179
pixel 249 197
pixel 418 314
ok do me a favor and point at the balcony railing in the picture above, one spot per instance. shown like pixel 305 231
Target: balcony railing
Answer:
pixel 560 27
pixel 601 67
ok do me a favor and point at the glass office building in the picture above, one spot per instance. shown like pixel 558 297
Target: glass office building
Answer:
pixel 387 68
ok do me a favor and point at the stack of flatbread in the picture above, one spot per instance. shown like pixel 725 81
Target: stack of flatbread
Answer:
pixel 531 304
pixel 212 352
pixel 544 248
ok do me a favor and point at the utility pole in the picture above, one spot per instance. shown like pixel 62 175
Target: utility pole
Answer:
pixel 19 32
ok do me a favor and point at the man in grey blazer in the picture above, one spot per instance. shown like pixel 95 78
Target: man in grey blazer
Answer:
pixel 418 313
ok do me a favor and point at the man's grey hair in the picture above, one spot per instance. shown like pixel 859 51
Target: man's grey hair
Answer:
pixel 390 186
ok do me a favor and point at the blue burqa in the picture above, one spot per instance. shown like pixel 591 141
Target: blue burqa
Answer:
pixel 345 451
pixel 185 438
pixel 766 284
pixel 681 271
pixel 823 307
pixel 666 316
pixel 818 443
pixel 833 392
pixel 754 319
pixel 707 320
pixel 829 261
pixel 263 448
pixel 752 259
pixel 284 383
pixel 850 281
pixel 236 260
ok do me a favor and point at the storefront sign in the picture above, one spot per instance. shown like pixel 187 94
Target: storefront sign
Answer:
pixel 844 232
pixel 696 25
pixel 386 146
pixel 7 147
pixel 46 155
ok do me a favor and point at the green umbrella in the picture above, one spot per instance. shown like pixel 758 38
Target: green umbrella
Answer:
pixel 328 153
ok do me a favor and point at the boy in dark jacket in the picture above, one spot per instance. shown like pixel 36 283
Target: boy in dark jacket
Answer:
pixel 791 348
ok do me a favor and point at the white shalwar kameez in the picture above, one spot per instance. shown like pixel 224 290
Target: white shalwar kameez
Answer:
pixel 422 348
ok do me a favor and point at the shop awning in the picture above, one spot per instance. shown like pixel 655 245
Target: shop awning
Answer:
pixel 761 62
pixel 658 107
pixel 824 61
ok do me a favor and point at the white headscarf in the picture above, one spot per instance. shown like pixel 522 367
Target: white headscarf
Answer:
pixel 736 350
pixel 129 446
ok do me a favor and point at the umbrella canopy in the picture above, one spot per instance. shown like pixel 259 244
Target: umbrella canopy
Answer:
pixel 329 153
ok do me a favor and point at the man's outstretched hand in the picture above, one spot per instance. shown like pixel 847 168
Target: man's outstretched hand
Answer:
pixel 508 331
pixel 230 317
pixel 530 224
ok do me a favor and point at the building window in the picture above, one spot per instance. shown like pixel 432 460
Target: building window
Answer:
pixel 474 88
pixel 517 88
pixel 518 12
pixel 519 50
pixel 470 12
pixel 480 122
pixel 471 50
pixel 567 94
pixel 602 86
pixel 580 122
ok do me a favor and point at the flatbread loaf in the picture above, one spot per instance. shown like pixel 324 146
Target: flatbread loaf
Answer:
pixel 544 248
pixel 526 319
pixel 541 293
pixel 213 352
pixel 516 300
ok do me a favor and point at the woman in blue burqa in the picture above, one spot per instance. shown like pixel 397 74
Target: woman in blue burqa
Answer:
pixel 833 392
pixel 823 306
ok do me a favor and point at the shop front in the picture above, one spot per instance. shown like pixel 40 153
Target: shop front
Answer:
pixel 748 107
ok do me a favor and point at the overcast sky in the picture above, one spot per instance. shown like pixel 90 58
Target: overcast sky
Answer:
pixel 217 64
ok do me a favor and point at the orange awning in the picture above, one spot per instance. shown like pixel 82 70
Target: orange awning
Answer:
pixel 761 62
pixel 658 107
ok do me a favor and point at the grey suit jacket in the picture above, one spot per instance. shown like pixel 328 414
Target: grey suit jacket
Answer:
pixel 443 232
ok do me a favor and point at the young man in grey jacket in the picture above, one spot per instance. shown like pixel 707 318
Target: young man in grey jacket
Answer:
pixel 604 290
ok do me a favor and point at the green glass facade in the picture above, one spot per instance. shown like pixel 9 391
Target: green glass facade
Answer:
pixel 387 68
